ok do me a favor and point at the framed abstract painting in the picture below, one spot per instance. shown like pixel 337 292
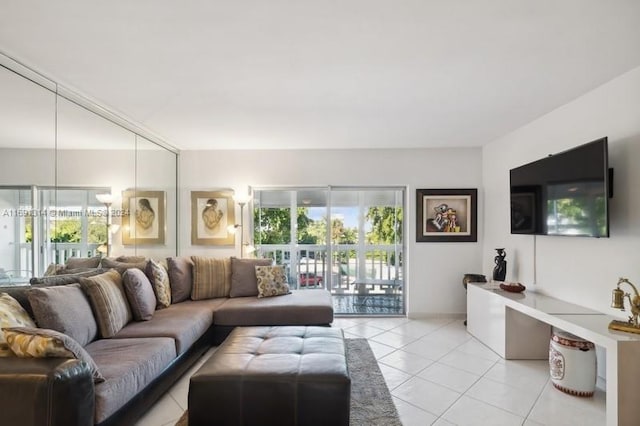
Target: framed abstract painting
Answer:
pixel 446 215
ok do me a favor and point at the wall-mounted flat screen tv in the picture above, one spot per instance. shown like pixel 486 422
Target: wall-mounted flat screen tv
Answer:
pixel 563 194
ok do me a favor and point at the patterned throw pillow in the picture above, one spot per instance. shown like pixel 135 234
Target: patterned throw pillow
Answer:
pixel 109 302
pixel 211 277
pixel 12 314
pixel 27 342
pixel 272 281
pixel 159 278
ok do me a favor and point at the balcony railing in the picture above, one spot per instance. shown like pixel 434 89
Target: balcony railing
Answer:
pixel 309 266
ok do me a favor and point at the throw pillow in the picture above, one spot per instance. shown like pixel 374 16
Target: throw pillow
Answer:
pixel 12 314
pixel 82 262
pixel 272 281
pixel 109 302
pixel 65 309
pixel 53 269
pixel 66 278
pixel 243 276
pixel 211 277
pixel 140 294
pixel 27 342
pixel 131 259
pixel 111 263
pixel 180 277
pixel 159 278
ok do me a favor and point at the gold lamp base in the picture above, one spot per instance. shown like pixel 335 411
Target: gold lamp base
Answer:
pixel 623 326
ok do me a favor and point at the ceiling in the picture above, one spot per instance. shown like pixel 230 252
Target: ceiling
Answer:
pixel 299 74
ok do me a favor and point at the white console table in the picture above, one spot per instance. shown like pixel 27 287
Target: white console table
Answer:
pixel 518 326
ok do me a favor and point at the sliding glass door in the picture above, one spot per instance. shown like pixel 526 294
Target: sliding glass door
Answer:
pixel 42 225
pixel 16 247
pixel 344 239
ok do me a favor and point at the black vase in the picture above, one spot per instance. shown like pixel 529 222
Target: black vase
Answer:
pixel 500 270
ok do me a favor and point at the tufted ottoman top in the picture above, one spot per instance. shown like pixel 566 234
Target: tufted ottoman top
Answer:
pixel 288 375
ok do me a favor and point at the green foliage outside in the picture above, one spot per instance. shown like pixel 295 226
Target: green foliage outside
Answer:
pixel 272 226
pixel 574 214
pixel 70 231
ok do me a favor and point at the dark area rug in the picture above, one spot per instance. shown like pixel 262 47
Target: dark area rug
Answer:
pixel 371 402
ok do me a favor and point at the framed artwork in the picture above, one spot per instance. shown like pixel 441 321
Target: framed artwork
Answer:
pixel 446 215
pixel 211 213
pixel 143 218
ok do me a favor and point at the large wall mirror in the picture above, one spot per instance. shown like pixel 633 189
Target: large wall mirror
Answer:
pixel 58 159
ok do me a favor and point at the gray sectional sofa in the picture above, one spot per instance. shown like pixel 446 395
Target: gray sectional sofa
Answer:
pixel 141 360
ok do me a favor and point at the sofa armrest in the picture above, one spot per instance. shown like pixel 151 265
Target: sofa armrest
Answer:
pixel 46 391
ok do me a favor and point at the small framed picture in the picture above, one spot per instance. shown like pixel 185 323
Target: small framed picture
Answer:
pixel 143 218
pixel 446 215
pixel 212 212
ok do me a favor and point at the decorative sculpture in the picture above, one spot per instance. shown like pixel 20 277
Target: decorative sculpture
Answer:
pixel 500 270
pixel 631 325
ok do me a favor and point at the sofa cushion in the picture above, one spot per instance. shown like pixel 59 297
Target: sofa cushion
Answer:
pixel 110 263
pixel 28 342
pixel 12 314
pixel 180 278
pixel 211 277
pixel 109 302
pixel 243 276
pixel 300 307
pixel 185 322
pixel 64 279
pixel 53 269
pixel 159 278
pixel 65 309
pixel 131 259
pixel 82 262
pixel 272 281
pixel 128 366
pixel 140 295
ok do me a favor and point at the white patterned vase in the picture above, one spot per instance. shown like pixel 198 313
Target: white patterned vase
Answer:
pixel 572 363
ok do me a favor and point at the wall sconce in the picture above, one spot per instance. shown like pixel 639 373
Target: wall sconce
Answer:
pixel 617 302
pixel 107 199
pixel 242 200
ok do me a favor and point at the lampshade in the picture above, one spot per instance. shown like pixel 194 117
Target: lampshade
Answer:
pixel 242 198
pixel 106 198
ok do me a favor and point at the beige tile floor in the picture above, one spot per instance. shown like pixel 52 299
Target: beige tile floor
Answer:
pixel 440 375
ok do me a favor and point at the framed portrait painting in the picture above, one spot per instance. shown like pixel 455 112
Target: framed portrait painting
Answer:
pixel 211 214
pixel 143 217
pixel 446 215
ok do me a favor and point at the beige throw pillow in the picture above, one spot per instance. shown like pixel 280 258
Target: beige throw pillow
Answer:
pixel 272 281
pixel 211 278
pixel 27 342
pixel 12 314
pixel 109 302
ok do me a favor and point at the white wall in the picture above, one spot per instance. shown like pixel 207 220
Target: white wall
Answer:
pixel 580 270
pixel 434 270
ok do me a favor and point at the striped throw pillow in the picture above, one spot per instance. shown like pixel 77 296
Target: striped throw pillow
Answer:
pixel 211 277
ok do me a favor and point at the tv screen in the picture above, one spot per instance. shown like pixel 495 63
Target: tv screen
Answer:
pixel 563 194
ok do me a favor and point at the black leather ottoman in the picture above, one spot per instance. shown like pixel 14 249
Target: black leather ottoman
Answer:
pixel 273 376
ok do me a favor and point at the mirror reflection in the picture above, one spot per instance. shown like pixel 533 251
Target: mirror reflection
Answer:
pixel 57 162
